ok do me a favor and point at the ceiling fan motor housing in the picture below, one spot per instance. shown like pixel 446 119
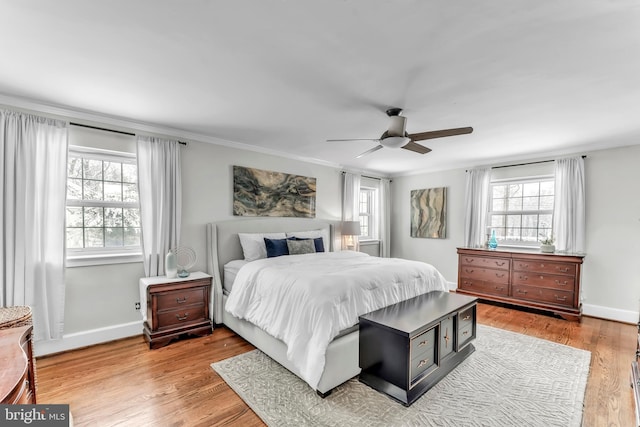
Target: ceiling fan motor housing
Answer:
pixel 397 126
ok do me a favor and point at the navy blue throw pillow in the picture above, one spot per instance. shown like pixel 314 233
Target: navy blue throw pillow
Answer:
pixel 276 247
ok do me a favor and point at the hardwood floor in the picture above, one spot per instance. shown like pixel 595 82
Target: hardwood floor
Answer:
pixel 123 383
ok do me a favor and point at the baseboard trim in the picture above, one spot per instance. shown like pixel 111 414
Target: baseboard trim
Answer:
pixel 608 313
pixel 87 338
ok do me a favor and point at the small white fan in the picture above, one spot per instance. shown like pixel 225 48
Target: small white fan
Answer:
pixel 185 259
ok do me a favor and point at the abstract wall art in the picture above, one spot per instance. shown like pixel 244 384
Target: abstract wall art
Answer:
pixel 259 192
pixel 429 213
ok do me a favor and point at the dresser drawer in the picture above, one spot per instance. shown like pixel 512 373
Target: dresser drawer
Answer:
pixel 465 335
pixel 566 283
pixel 487 274
pixel 466 317
pixel 545 295
pixel 544 267
pixel 420 364
pixel 422 343
pixel 181 316
pixel 482 287
pixel 480 261
pixel 180 298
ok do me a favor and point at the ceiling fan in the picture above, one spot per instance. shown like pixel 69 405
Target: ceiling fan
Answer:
pixel 397 137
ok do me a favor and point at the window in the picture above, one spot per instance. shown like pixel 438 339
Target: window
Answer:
pixel 103 214
pixel 521 211
pixel 368 221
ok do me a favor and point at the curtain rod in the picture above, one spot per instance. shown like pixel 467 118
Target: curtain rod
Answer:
pixel 111 130
pixel 370 177
pixel 525 164
pixel 529 163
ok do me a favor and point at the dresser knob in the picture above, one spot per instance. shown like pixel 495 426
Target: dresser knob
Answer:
pixel 181 318
pixel 564 298
pixel 181 300
pixel 467 317
pixel 422 343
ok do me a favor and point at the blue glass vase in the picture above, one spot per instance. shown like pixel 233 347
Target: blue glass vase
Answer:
pixel 493 241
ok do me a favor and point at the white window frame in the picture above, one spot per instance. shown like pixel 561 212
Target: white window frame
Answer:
pixel 520 180
pixel 80 257
pixel 371 214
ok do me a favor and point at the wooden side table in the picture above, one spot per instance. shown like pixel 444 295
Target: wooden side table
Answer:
pixel 175 307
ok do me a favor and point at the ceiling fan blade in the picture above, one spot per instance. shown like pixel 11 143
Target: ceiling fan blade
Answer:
pixel 356 139
pixel 420 136
pixel 417 148
pixel 376 148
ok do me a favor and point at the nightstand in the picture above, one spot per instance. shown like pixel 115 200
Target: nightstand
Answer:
pixel 173 308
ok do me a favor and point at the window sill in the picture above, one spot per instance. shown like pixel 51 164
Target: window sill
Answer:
pixel 102 259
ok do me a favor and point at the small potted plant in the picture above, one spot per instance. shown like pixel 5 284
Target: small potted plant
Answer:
pixel 546 244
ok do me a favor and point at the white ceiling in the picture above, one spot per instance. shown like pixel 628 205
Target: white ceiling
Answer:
pixel 533 78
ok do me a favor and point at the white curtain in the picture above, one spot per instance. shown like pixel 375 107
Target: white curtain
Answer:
pixel 478 182
pixel 351 200
pixel 160 189
pixel 569 210
pixel 33 181
pixel 385 217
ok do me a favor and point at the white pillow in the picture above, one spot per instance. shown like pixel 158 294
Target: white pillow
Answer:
pixel 312 235
pixel 253 245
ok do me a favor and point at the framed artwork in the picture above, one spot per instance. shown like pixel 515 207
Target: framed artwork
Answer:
pixel 429 213
pixel 258 192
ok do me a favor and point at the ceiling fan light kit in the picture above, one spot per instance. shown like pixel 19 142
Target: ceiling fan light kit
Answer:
pixel 395 141
pixel 397 137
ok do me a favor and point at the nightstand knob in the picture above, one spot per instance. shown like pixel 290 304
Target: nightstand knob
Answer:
pixel 181 300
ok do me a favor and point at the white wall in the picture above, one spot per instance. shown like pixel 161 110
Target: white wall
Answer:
pixel 610 279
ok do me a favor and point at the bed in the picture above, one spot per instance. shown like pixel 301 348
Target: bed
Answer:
pixel 340 354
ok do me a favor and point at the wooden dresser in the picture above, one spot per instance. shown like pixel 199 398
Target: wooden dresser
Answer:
pixel 406 348
pixel 176 307
pixel 545 281
pixel 17 369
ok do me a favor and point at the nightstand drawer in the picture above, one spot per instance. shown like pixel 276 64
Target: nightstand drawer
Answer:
pixel 181 298
pixel 182 316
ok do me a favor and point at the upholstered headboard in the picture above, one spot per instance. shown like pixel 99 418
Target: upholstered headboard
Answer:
pixel 223 245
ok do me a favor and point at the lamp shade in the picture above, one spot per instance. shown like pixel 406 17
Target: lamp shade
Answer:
pixel 351 228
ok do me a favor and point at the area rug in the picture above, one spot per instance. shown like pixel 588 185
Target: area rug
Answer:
pixel 510 380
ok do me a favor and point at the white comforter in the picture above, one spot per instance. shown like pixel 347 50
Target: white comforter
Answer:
pixel 306 300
